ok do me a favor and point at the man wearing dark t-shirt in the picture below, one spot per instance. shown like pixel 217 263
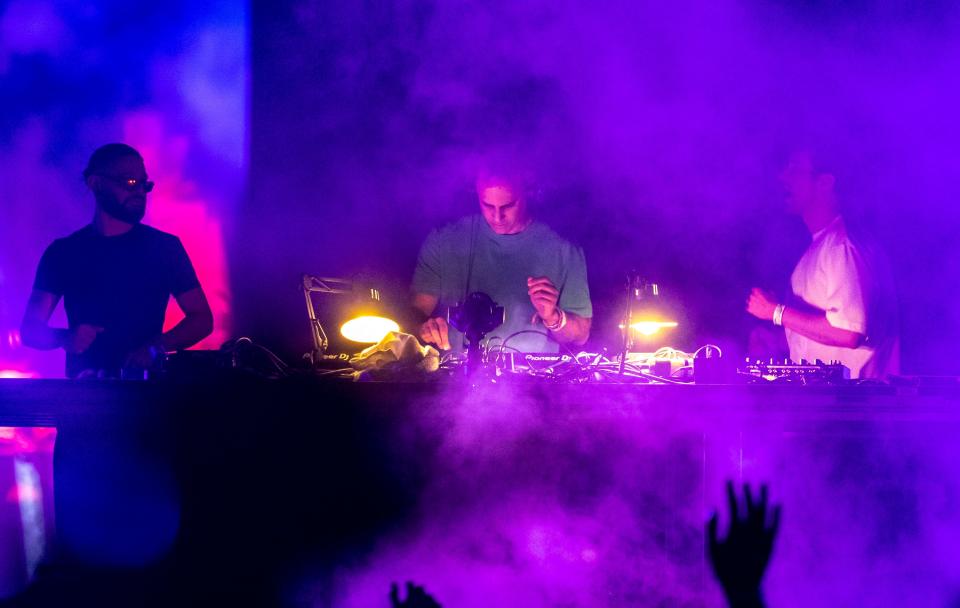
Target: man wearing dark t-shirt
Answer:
pixel 115 276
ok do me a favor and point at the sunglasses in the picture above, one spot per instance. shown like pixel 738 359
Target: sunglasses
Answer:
pixel 131 183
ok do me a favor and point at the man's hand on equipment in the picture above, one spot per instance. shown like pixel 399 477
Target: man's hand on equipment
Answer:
pixel 435 331
pixel 145 356
pixel 761 304
pixel 544 297
pixel 80 338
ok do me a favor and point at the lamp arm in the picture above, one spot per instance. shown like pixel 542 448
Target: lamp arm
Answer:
pixel 320 342
pixel 632 281
pixel 311 284
pixel 627 338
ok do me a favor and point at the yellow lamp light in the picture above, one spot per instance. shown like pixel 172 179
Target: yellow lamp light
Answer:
pixel 646 314
pixel 368 329
pixel 649 328
pixel 367 324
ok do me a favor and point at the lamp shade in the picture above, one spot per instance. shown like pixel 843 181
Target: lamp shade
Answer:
pixel 368 320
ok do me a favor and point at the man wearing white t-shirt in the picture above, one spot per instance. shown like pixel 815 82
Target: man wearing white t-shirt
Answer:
pixel 845 306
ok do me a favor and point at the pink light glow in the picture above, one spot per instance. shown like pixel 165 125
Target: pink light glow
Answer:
pixel 13 338
pixel 20 440
pixel 179 207
pixel 18 374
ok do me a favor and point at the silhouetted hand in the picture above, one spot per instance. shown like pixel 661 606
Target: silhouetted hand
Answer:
pixel 416 597
pixel 144 357
pixel 740 559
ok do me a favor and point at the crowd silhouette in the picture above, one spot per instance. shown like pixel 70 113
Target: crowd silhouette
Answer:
pixel 739 559
pixel 416 597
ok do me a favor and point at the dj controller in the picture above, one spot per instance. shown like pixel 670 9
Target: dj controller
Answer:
pixel 665 366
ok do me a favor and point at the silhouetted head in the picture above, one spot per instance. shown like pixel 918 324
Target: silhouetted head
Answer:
pixel 808 183
pixel 118 179
pixel 503 201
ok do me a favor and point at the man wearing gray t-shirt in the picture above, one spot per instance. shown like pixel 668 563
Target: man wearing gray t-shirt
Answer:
pixel 537 276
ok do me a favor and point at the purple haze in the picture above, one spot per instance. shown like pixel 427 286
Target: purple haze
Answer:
pixel 658 132
pixel 535 502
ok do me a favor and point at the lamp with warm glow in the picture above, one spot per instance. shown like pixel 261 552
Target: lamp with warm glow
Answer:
pixel 645 313
pixel 368 329
pixel 368 323
pixel 649 328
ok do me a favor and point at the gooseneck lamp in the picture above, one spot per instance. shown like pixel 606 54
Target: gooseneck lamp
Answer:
pixel 645 315
pixel 368 322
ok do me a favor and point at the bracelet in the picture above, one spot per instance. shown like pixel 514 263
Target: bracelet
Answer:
pixel 778 314
pixel 560 324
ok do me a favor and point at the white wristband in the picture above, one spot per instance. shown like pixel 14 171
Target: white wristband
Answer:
pixel 778 314
pixel 559 324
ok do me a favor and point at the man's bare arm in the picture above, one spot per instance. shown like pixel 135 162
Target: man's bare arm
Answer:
pixel 545 298
pixel 197 322
pixel 810 323
pixel 434 330
pixel 575 332
pixel 36 333
pixel 816 327
pixel 34 330
pixel 425 303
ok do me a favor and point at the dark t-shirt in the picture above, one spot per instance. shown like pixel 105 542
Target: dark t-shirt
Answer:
pixel 121 283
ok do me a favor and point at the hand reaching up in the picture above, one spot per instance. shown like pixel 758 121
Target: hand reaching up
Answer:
pixel 416 597
pixel 740 559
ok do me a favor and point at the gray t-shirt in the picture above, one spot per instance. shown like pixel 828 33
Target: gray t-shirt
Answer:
pixel 468 256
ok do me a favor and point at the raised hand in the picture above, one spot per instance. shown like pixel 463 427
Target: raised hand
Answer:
pixel 416 597
pixel 435 331
pixel 761 304
pixel 740 559
pixel 80 338
pixel 544 296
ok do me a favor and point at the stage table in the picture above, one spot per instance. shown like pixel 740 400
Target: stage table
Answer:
pixel 230 486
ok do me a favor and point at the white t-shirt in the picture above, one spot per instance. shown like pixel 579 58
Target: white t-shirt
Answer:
pixel 850 282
